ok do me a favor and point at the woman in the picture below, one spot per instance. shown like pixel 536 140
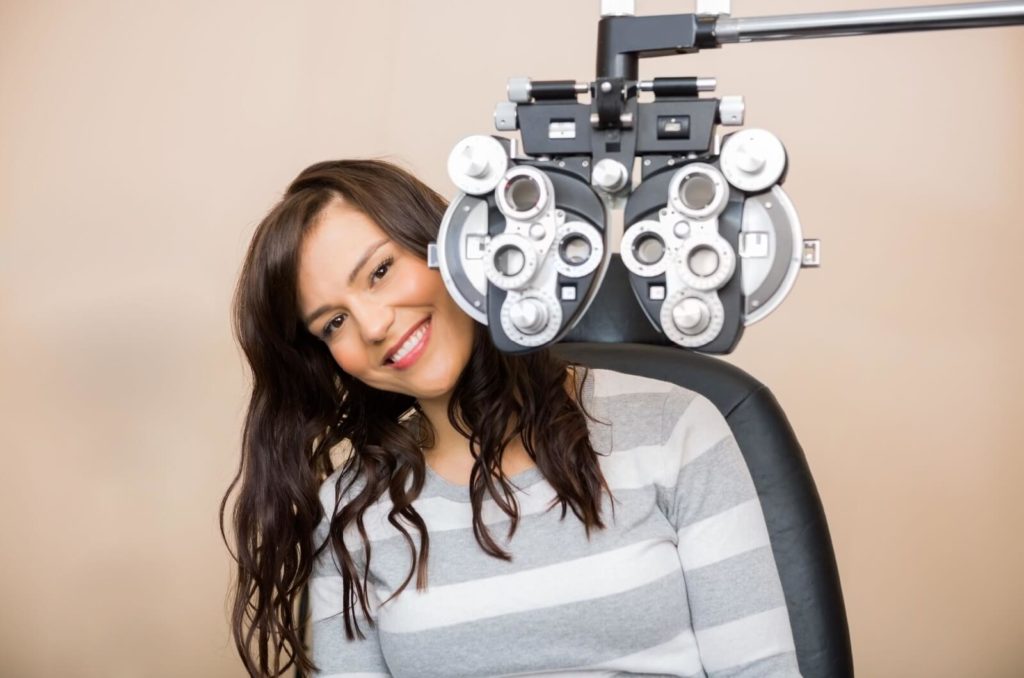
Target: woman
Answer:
pixel 435 547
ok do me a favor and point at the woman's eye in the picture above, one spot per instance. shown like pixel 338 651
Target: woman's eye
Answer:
pixel 333 324
pixel 382 269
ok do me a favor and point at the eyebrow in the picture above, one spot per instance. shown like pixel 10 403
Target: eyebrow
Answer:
pixel 351 277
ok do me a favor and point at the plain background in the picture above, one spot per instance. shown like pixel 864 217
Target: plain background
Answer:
pixel 141 142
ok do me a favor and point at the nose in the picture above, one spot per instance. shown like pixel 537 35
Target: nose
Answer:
pixel 374 320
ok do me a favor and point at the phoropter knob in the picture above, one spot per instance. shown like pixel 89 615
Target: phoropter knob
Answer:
pixel 752 159
pixel 691 316
pixel 731 109
pixel 529 316
pixel 610 175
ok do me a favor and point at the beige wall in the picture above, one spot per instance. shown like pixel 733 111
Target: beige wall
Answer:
pixel 140 143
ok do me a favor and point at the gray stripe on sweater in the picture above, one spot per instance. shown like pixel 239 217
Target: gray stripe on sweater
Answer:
pixel 719 477
pixel 360 656
pixel 654 613
pixel 769 667
pixel 733 588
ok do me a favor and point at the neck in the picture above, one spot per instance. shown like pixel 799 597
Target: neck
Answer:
pixel 446 438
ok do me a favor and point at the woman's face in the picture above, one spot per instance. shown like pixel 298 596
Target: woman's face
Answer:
pixel 385 317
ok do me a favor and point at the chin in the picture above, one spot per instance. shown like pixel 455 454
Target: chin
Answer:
pixel 434 387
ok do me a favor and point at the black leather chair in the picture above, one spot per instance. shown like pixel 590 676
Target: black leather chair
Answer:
pixel 615 334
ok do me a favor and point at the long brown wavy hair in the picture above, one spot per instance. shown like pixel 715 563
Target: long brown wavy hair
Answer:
pixel 303 405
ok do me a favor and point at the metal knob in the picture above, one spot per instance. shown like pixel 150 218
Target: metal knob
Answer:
pixel 731 109
pixel 477 163
pixel 609 175
pixel 518 90
pixel 752 159
pixel 748 158
pixel 529 316
pixel 470 160
pixel 691 316
pixel 506 116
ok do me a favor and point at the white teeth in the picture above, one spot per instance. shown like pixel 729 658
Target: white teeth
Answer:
pixel 409 344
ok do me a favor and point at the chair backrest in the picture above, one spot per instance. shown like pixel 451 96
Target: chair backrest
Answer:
pixel 616 335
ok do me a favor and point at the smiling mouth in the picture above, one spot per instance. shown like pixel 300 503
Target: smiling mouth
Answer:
pixel 411 347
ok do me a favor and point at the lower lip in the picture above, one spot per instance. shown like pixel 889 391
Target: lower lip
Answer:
pixel 414 354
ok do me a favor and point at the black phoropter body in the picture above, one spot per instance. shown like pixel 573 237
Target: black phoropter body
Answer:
pixel 710 240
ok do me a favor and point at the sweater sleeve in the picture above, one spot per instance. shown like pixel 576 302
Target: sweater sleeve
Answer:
pixel 737 607
pixel 333 653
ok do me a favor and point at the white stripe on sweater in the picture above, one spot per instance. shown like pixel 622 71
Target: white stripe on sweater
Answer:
pixel 586 578
pixel 723 535
pixel 745 640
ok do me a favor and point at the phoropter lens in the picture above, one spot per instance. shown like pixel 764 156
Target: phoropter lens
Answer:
pixel 522 193
pixel 574 250
pixel 648 249
pixel 697 191
pixel 509 260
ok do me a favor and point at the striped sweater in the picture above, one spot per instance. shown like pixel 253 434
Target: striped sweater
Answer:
pixel 682 582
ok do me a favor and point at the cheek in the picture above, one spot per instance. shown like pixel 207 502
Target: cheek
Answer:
pixel 459 321
pixel 423 288
pixel 348 356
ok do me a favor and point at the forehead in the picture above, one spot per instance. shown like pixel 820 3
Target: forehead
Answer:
pixel 340 229
pixel 331 249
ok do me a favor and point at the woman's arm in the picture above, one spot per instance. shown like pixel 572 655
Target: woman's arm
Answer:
pixel 736 603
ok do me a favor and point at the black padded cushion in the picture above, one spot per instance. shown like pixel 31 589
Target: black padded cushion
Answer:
pixel 792 508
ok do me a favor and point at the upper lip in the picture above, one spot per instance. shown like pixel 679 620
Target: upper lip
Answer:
pixel 405 337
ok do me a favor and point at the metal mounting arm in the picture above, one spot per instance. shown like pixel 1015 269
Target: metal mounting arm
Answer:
pixel 623 39
pixel 898 20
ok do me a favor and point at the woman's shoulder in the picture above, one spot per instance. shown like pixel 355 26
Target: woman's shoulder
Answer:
pixel 611 383
pixel 623 392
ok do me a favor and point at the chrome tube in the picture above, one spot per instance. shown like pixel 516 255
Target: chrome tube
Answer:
pixel 866 22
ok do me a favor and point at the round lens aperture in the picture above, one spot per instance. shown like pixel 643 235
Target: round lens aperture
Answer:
pixel 574 250
pixel 509 260
pixel 649 249
pixel 703 261
pixel 522 193
pixel 697 191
